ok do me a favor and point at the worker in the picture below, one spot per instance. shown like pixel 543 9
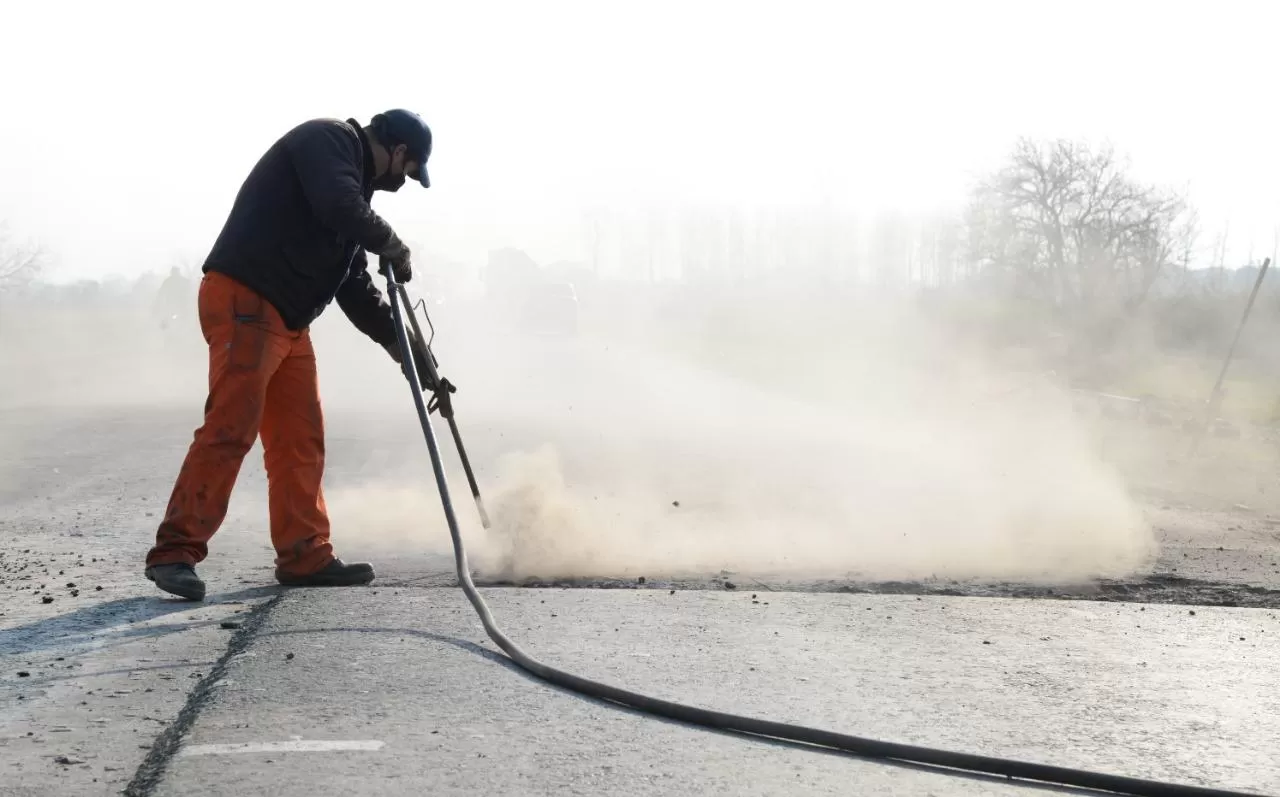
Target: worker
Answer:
pixel 299 236
pixel 172 297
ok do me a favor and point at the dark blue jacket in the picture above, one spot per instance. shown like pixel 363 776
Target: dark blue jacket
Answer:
pixel 301 225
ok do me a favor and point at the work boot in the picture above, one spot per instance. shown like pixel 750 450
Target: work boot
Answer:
pixel 178 579
pixel 335 574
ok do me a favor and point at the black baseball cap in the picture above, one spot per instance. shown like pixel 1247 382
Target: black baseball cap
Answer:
pixel 399 126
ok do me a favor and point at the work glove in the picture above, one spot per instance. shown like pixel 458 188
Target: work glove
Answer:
pixel 398 258
pixel 419 360
pixel 441 394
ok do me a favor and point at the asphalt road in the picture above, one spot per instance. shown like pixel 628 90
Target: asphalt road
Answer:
pixel 106 686
pixel 405 676
pixel 170 702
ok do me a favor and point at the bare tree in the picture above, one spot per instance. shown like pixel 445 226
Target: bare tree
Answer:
pixel 1067 225
pixel 20 263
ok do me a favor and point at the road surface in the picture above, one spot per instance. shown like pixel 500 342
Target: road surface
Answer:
pixel 105 685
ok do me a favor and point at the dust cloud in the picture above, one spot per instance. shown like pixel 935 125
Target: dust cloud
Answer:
pixel 859 438
pixel 821 435
pixel 677 434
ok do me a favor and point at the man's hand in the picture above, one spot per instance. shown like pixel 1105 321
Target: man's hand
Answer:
pixel 441 400
pixel 398 258
pixel 419 360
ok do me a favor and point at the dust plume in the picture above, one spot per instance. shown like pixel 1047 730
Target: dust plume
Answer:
pixel 872 444
pixel 830 435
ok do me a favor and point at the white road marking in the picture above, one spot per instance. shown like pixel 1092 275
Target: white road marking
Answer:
pixel 293 746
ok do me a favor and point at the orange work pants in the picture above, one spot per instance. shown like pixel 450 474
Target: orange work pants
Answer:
pixel 262 381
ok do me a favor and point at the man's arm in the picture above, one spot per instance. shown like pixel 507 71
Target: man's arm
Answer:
pixel 362 302
pixel 328 161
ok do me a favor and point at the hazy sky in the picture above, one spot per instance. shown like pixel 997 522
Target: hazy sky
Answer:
pixel 128 126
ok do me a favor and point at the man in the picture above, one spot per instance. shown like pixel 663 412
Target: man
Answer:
pixel 295 240
pixel 172 297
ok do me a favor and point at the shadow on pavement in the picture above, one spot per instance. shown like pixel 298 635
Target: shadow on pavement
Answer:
pixel 79 626
pixel 39 681
pixel 500 659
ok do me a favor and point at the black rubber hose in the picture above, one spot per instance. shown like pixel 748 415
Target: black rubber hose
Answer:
pixel 856 745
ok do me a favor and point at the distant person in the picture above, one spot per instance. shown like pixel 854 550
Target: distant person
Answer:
pixel 172 297
pixel 295 240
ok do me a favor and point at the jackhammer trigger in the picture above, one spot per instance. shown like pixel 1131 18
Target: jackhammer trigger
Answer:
pixel 440 399
pixel 414 312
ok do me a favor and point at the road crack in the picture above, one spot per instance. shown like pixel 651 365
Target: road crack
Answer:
pixel 153 768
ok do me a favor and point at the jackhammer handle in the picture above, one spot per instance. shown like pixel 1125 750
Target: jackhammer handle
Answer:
pixel 431 378
pixel 434 381
pixel 428 356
